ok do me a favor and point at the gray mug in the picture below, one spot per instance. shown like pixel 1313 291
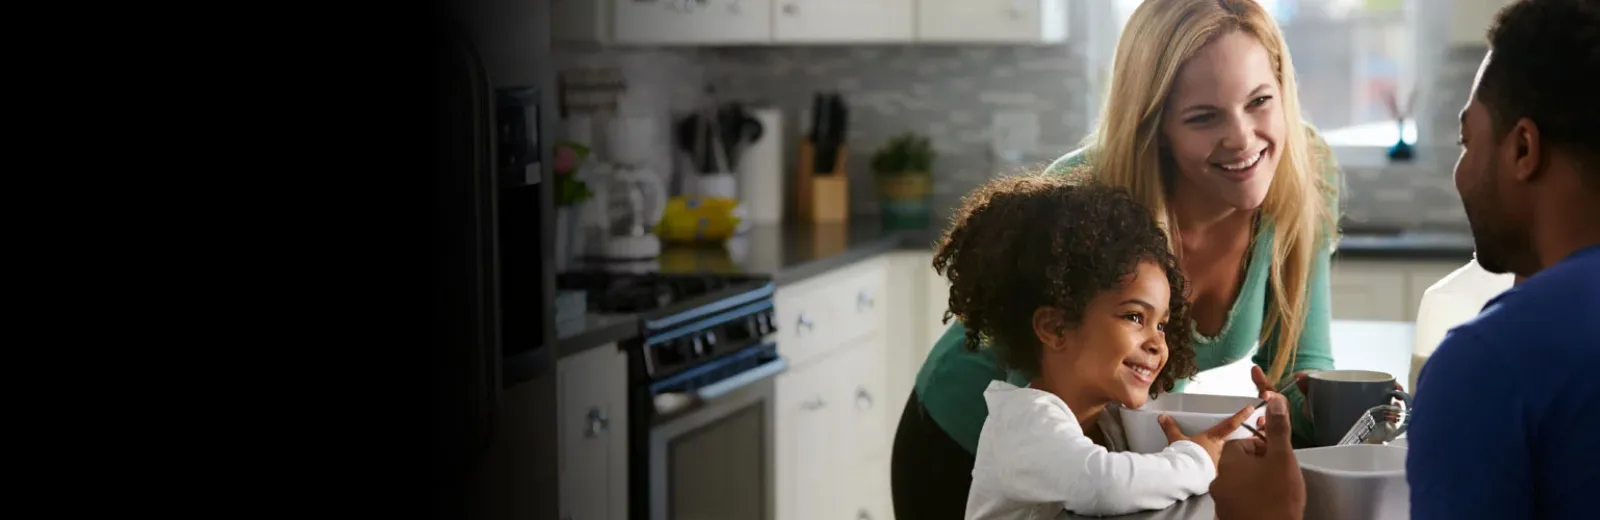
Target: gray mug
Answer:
pixel 1340 397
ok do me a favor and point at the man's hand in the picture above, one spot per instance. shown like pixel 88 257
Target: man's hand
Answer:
pixel 1261 479
pixel 1212 438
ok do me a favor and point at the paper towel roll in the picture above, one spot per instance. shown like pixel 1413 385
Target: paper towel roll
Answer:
pixel 760 168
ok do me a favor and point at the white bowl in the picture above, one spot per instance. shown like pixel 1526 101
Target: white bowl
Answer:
pixel 1358 481
pixel 1195 413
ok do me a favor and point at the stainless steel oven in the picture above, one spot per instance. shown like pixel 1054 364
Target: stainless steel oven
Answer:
pixel 702 405
pixel 716 461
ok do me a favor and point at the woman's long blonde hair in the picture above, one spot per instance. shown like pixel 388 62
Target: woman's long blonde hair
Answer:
pixel 1160 37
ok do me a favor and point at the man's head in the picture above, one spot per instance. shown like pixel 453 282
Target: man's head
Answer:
pixel 1535 107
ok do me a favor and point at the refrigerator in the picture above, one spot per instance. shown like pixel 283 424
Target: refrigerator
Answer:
pixel 491 225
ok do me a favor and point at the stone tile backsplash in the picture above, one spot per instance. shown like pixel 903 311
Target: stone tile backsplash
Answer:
pixel 952 92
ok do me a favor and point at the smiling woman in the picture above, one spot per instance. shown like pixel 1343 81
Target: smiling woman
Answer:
pixel 1203 128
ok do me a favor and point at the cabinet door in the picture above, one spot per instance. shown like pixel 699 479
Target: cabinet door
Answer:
pixel 593 414
pixel 1005 21
pixel 938 301
pixel 1368 291
pixel 863 395
pixel 691 21
pixel 870 496
pixel 808 421
pixel 1421 277
pixel 842 21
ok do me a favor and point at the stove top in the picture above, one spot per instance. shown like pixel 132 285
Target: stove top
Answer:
pixel 611 292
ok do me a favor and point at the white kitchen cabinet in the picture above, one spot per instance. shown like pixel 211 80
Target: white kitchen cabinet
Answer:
pixel 991 21
pixel 1386 290
pixel 1368 291
pixel 1470 20
pixel 690 22
pixel 842 21
pixel 937 301
pixel 836 410
pixel 593 422
pixel 832 421
pixel 1421 276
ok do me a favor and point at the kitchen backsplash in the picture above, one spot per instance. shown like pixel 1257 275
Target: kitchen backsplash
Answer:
pixel 951 94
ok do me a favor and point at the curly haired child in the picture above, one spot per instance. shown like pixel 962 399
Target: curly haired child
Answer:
pixel 1074 286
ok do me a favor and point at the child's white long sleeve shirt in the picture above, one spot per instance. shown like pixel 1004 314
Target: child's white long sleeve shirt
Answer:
pixel 1034 461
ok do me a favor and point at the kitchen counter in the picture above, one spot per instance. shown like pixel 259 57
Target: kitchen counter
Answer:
pixel 1406 245
pixel 789 253
pixel 794 252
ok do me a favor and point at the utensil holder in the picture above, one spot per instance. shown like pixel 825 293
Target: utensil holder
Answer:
pixel 822 197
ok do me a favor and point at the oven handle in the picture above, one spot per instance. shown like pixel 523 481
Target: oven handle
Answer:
pixel 723 387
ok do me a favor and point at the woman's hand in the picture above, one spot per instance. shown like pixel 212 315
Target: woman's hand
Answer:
pixel 1261 479
pixel 1212 438
pixel 1265 387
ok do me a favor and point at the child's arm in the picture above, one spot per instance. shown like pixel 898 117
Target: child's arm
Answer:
pixel 1042 455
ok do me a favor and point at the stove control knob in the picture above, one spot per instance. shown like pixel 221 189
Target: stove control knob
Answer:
pixel 766 326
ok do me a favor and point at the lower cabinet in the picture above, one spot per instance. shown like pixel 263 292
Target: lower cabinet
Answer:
pixel 1383 290
pixel 835 416
pixel 593 423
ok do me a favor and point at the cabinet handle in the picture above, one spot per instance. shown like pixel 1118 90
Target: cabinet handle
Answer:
pixel 863 399
pixel 802 323
pixel 598 423
pixel 1015 10
pixel 815 403
pixel 863 515
pixel 791 9
pixel 864 301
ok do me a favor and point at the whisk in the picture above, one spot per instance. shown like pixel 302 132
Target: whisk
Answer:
pixel 1370 430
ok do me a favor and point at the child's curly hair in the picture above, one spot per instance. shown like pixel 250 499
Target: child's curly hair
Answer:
pixel 1024 242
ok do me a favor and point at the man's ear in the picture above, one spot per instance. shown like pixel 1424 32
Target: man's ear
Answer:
pixel 1049 327
pixel 1527 152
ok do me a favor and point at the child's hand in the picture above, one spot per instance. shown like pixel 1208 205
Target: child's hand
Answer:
pixel 1210 439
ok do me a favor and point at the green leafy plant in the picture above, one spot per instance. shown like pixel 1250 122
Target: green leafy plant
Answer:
pixel 909 153
pixel 569 158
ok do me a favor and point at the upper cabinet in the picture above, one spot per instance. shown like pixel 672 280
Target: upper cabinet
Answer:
pixel 992 21
pixel 808 22
pixel 662 22
pixel 668 22
pixel 842 21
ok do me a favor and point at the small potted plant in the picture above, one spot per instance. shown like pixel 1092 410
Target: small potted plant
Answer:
pixel 903 168
pixel 570 191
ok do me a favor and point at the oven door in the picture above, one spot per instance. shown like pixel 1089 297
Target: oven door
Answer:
pixel 710 449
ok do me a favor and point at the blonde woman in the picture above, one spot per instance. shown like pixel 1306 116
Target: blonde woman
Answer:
pixel 1203 126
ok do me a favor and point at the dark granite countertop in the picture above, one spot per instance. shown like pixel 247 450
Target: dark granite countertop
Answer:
pixel 789 253
pixel 795 252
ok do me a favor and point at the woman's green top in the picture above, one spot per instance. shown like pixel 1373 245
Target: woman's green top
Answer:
pixel 951 381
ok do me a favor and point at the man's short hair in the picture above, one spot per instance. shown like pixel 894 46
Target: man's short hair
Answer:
pixel 1546 67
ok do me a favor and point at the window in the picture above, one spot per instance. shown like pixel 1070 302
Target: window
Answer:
pixel 1352 57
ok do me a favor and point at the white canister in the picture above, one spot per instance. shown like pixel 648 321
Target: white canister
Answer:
pixel 760 170
pixel 1449 302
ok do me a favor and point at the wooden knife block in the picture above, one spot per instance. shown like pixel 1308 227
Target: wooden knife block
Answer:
pixel 822 197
